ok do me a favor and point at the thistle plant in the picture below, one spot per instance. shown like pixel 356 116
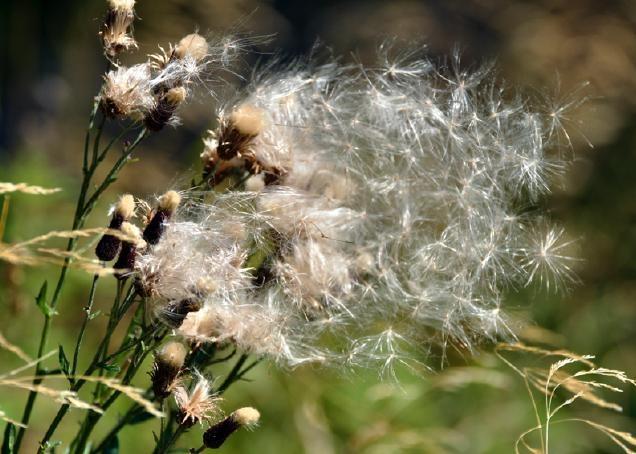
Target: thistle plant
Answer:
pixel 343 215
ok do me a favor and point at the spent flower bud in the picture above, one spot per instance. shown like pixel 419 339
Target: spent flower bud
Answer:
pixel 216 435
pixel 125 263
pixel 196 405
pixel 109 245
pixel 167 205
pixel 165 108
pixel 167 368
pixel 193 45
pixel 115 31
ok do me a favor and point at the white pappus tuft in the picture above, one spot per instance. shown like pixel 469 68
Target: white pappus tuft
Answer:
pixel 385 208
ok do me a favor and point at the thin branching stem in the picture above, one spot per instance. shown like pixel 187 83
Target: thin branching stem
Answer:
pixel 162 448
pixel 44 336
pixel 134 363
pixel 87 317
pixel 134 411
pixel 96 363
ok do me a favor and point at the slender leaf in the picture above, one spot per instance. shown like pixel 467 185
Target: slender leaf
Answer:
pixel 40 301
pixel 63 360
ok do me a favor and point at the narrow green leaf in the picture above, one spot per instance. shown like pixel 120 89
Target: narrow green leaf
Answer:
pixel 110 367
pixel 63 360
pixel 9 439
pixel 40 301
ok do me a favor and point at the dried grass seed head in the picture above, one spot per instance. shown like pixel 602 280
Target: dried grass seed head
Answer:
pixel 134 235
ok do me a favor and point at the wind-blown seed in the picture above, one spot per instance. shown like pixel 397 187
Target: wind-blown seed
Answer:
pixel 394 221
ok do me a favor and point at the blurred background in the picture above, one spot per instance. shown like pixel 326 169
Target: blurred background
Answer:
pixel 51 67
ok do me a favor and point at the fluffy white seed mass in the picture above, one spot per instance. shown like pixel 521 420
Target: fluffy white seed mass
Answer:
pixel 399 217
pixel 127 92
pixel 138 91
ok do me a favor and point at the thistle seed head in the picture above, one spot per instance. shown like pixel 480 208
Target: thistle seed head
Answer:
pixel 196 405
pixel 167 367
pixel 125 207
pixel 193 45
pixel 109 245
pixel 248 120
pixel 127 92
pixel 125 263
pixel 168 203
pixel 115 31
pixel 216 435
pixel 395 224
pixel 246 417
pixel 121 5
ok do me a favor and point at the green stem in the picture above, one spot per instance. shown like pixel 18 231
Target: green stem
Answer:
pixel 44 336
pixel 235 374
pixel 132 412
pixel 87 317
pixel 95 364
pixel 162 448
pixel 112 175
pixel 81 213
pixel 136 360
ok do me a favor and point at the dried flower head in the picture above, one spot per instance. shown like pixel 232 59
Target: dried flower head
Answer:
pixel 168 203
pixel 109 245
pixel 238 131
pixel 193 45
pixel 165 108
pixel 115 31
pixel 216 435
pixel 395 223
pixel 197 405
pixel 246 140
pixel 248 120
pixel 127 92
pixel 167 368
pixel 125 263
pixel 174 312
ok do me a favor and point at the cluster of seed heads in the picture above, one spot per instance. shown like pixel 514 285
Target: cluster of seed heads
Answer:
pixel 347 213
